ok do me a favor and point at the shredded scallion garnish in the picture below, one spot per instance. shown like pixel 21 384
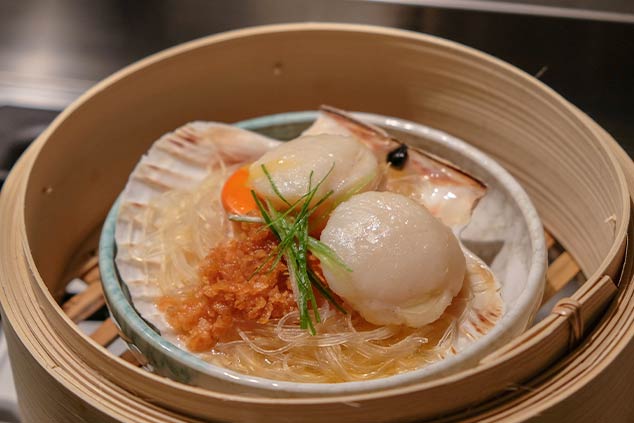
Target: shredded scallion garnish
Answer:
pixel 292 231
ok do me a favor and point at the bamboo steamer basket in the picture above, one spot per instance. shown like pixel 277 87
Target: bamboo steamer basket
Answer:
pixel 574 364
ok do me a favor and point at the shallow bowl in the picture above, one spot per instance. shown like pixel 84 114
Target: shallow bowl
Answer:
pixel 505 231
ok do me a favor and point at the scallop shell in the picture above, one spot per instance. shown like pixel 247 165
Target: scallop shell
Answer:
pixel 181 160
pixel 478 306
pixel 447 192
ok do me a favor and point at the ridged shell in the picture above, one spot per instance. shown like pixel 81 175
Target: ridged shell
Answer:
pixel 179 160
pixel 447 192
pixel 484 306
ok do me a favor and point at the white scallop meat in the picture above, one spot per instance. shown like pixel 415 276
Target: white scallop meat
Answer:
pixel 406 266
pixel 340 164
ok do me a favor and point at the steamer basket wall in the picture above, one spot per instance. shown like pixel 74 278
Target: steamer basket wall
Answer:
pixel 60 193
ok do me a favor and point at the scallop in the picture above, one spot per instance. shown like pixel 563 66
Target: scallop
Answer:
pixel 342 164
pixel 405 266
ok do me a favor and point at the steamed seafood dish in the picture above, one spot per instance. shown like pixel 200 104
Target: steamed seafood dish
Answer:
pixel 332 257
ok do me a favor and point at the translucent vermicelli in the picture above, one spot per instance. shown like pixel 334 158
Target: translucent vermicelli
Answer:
pixel 346 348
pixel 180 227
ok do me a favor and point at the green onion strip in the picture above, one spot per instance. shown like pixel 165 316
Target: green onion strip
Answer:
pixel 294 245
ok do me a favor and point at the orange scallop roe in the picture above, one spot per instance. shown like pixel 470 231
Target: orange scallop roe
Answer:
pixel 230 291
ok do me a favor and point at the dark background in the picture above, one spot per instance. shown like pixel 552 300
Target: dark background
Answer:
pixel 52 50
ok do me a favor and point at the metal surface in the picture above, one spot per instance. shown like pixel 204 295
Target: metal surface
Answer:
pixel 18 127
pixel 607 11
pixel 50 51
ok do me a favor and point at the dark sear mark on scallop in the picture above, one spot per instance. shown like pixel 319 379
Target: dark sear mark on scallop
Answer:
pixel 398 156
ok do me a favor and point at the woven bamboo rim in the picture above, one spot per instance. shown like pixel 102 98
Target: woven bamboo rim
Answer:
pixel 68 368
